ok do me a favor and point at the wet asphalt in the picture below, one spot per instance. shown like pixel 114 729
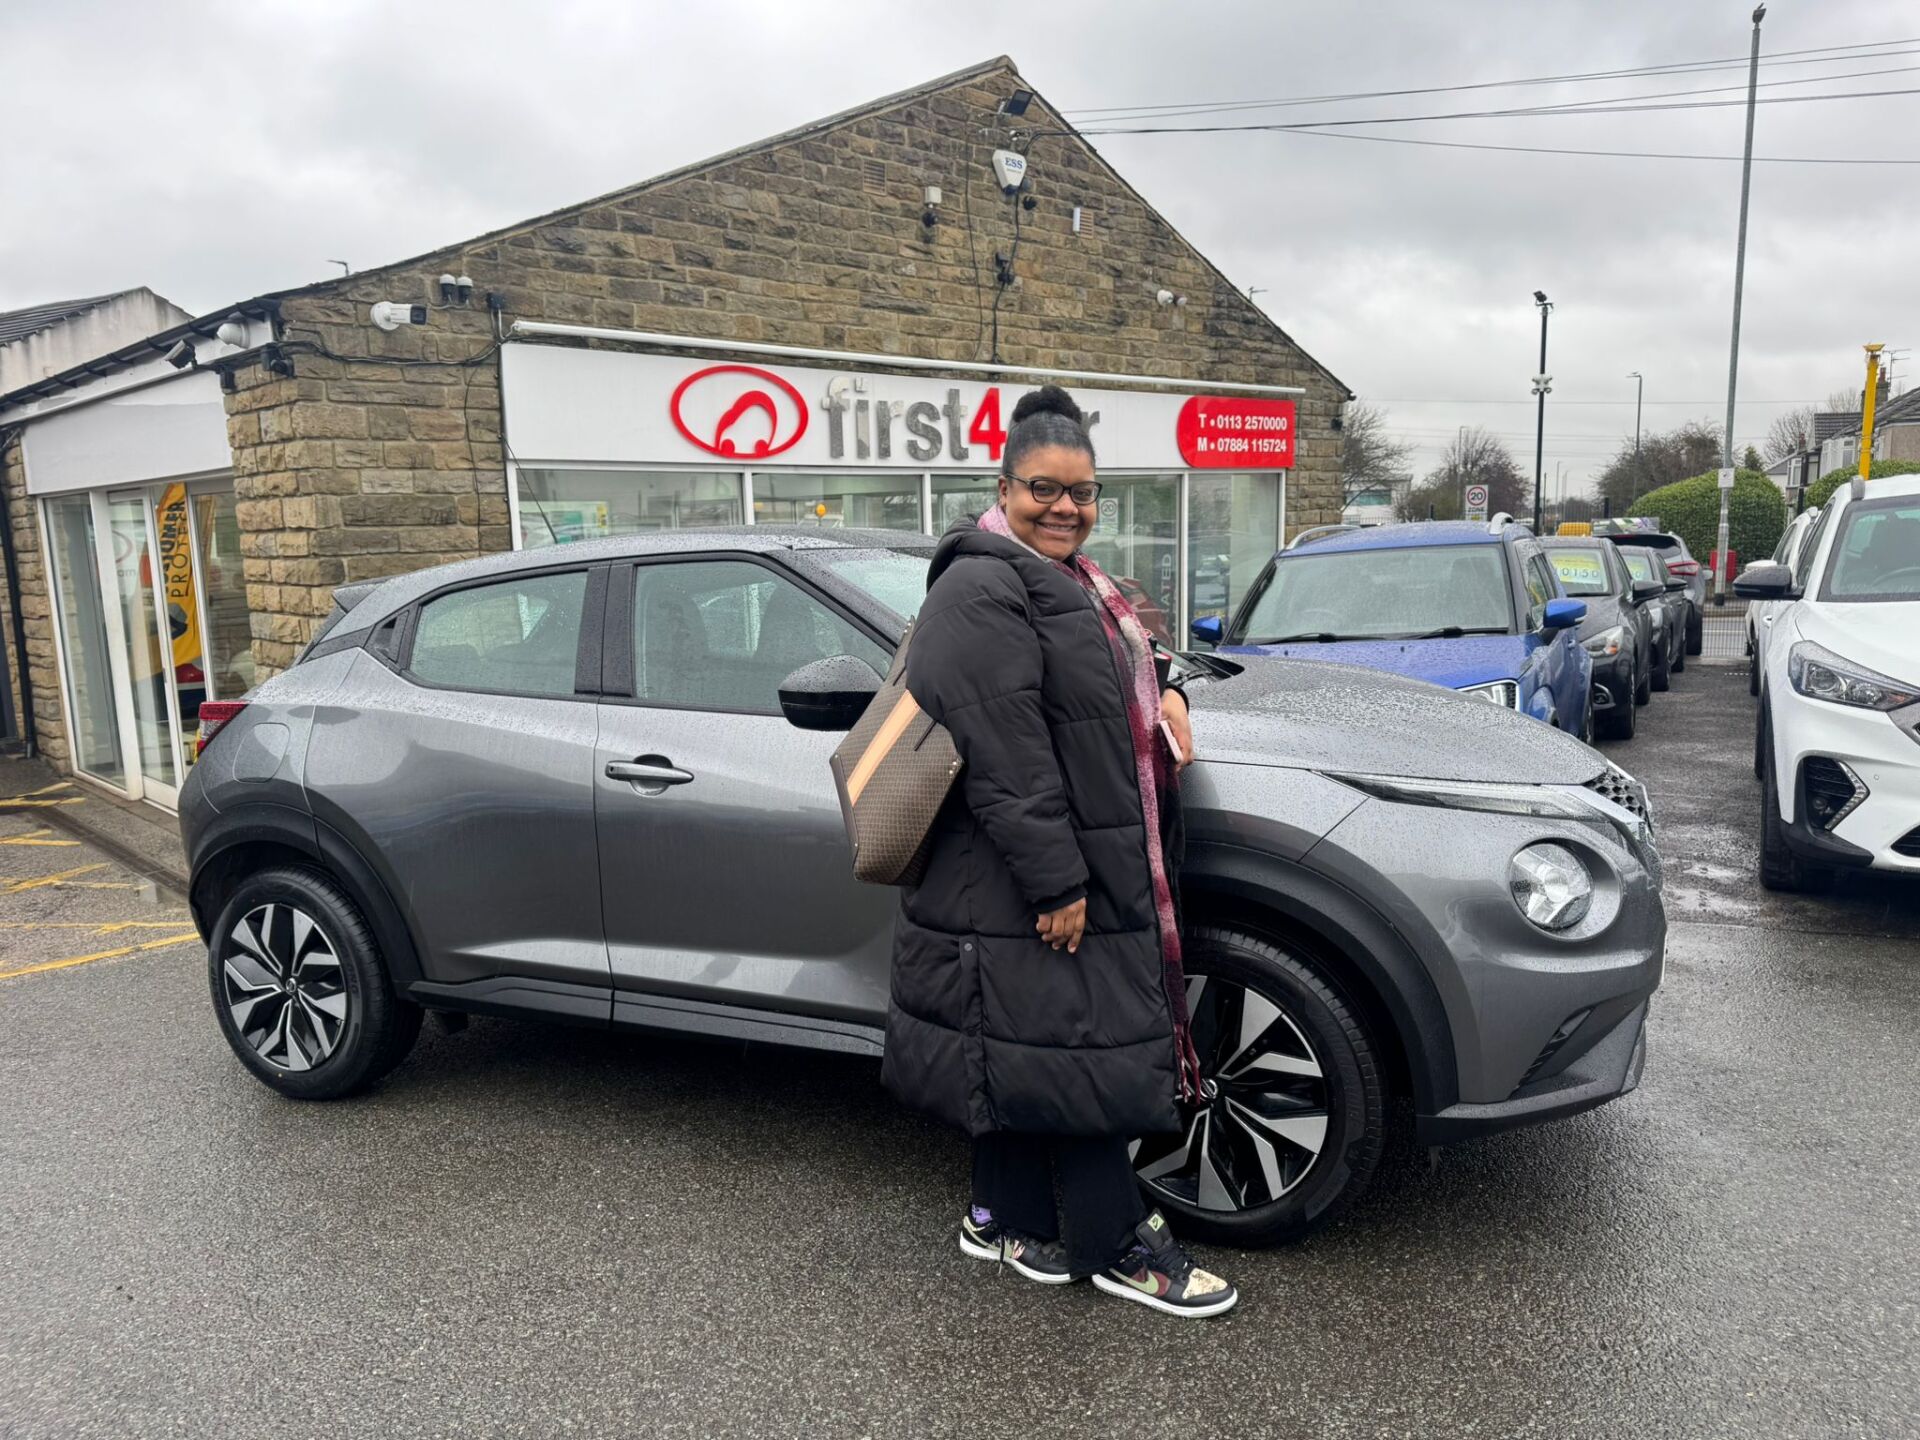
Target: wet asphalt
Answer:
pixel 541 1232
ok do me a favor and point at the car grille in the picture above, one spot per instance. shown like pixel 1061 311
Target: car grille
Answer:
pixel 1909 844
pixel 1833 791
pixel 1622 789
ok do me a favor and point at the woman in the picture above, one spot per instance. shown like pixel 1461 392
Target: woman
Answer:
pixel 1038 1000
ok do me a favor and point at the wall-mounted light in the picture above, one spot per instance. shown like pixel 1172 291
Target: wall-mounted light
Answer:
pixel 181 356
pixel 930 217
pixel 1016 104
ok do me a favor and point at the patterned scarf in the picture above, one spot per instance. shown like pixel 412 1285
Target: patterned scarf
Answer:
pixel 1154 769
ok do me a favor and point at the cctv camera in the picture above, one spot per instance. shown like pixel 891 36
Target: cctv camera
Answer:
pixel 463 289
pixel 181 355
pixel 447 282
pixel 233 332
pixel 1165 297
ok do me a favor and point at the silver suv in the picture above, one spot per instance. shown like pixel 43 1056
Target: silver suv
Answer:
pixel 590 784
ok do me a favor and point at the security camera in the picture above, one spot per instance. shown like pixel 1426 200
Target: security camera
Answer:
pixel 447 282
pixel 232 332
pixel 391 315
pixel 181 355
pixel 1165 297
pixel 463 289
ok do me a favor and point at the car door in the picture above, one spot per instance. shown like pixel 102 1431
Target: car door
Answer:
pixel 462 770
pixel 723 856
pixel 1633 612
pixel 1547 692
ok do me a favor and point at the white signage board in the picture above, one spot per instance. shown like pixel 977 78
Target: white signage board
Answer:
pixel 1726 478
pixel 154 433
pixel 571 406
pixel 1476 502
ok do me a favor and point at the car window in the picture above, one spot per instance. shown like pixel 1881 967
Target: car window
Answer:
pixel 1810 546
pixel 723 634
pixel 1582 569
pixel 1392 592
pixel 1540 589
pixel 1876 554
pixel 896 578
pixel 1639 564
pixel 519 636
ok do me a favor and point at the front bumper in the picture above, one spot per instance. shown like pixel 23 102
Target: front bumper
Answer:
pixel 1883 756
pixel 1608 1069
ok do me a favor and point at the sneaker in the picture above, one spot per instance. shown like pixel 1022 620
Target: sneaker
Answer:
pixel 986 1239
pixel 1157 1272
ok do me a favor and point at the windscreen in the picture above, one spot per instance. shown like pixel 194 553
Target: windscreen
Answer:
pixel 1876 555
pixel 1383 594
pixel 1582 570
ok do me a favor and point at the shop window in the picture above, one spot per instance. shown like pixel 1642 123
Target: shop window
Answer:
pixel 957 495
pixel 557 506
pixel 1135 540
pixel 519 636
pixel 722 635
pixel 83 638
pixel 1233 528
pixel 227 646
pixel 857 502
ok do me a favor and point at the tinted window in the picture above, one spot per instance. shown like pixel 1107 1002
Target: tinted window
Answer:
pixel 1540 589
pixel 1582 569
pixel 1803 561
pixel 519 636
pixel 1876 555
pixel 723 634
pixel 896 578
pixel 1376 594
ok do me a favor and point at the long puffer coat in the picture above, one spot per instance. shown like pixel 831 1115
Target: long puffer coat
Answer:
pixel 990 1027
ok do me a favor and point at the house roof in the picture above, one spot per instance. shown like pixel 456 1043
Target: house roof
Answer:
pixel 18 324
pixel 1900 410
pixel 1829 424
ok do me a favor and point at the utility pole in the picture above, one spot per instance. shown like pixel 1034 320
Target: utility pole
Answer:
pixel 1639 388
pixel 1542 387
pixel 1460 472
pixel 1739 283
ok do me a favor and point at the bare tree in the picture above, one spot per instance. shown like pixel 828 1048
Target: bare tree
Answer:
pixel 1789 434
pixel 1664 457
pixel 1370 458
pixel 1474 458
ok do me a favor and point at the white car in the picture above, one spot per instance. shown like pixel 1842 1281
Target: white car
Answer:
pixel 1838 746
pixel 1791 552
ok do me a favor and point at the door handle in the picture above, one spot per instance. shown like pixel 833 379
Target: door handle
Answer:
pixel 642 772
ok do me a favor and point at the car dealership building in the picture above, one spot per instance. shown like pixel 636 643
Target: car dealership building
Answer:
pixel 829 327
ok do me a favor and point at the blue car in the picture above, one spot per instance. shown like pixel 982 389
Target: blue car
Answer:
pixel 1473 606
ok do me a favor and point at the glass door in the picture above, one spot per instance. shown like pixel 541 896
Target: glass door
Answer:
pixel 148 632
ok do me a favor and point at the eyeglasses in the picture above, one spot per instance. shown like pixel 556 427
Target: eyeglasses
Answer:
pixel 1048 491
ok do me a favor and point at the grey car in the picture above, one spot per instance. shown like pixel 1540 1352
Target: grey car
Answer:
pixel 1680 564
pixel 1670 611
pixel 590 784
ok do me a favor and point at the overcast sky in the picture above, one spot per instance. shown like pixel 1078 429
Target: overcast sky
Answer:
pixel 215 151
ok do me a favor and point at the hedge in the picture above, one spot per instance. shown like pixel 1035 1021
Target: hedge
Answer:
pixel 1756 515
pixel 1822 489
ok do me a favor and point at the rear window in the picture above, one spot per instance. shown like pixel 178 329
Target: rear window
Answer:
pixel 1639 566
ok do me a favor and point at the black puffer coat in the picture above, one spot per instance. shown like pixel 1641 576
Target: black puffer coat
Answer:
pixel 990 1027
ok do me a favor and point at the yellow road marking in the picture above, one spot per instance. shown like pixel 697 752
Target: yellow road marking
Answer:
pixel 99 955
pixel 36 838
pixel 98 927
pixel 20 802
pixel 14 887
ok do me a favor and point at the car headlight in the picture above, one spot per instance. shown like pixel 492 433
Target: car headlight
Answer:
pixel 1550 885
pixel 1819 674
pixel 1607 642
pixel 1500 692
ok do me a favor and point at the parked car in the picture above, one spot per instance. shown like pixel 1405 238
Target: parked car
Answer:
pixel 1471 606
pixel 1679 562
pixel 1837 741
pixel 589 783
pixel 1617 632
pixel 1669 611
pixel 1791 552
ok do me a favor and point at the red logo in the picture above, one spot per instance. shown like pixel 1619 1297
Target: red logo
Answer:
pixel 738 412
pixel 1217 432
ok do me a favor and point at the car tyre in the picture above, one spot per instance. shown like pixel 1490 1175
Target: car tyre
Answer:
pixel 1621 721
pixel 1337 1112
pixel 1696 631
pixel 1662 675
pixel 1677 661
pixel 1753 672
pixel 299 988
pixel 1780 868
pixel 1643 691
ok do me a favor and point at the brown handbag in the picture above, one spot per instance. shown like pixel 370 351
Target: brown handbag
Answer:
pixel 893 772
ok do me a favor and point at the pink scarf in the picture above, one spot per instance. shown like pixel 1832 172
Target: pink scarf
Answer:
pixel 1153 767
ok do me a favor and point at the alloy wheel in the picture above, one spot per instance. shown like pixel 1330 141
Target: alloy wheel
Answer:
pixel 1263 1117
pixel 285 988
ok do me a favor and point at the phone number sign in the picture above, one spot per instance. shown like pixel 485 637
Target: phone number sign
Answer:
pixel 1217 432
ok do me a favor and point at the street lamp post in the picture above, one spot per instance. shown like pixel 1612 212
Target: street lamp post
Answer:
pixel 1542 387
pixel 1639 388
pixel 1739 283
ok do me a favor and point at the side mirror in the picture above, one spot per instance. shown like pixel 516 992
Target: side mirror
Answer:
pixel 1645 590
pixel 830 694
pixel 1766 581
pixel 1564 615
pixel 1210 630
pixel 1674 587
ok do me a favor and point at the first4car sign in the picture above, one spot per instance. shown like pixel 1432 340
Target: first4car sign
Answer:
pixel 605 407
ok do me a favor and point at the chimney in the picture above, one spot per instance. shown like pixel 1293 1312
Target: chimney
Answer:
pixel 1880 390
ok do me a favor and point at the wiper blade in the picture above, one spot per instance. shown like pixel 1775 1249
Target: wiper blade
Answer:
pixel 1324 637
pixel 1454 632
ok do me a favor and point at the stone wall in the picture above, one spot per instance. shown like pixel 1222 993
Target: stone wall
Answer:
pixel 40 664
pixel 383 453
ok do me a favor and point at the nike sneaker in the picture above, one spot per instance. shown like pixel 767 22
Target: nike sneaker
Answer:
pixel 984 1238
pixel 1157 1272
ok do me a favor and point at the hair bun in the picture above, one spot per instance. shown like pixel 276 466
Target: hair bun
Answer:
pixel 1048 400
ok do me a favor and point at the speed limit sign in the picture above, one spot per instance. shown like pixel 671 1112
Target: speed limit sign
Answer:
pixel 1476 502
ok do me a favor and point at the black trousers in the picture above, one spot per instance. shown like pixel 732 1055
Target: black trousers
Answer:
pixel 1013 1176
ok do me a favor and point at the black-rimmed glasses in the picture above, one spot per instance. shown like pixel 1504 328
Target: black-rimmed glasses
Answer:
pixel 1048 491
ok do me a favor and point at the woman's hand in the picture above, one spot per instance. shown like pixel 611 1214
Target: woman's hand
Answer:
pixel 1064 926
pixel 1173 710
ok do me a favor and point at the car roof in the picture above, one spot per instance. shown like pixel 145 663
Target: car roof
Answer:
pixel 1568 542
pixel 1418 532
